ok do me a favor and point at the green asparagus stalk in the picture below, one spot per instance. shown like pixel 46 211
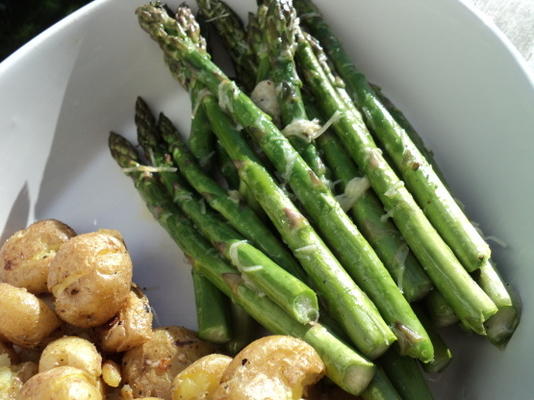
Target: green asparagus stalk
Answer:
pixel 282 72
pixel 442 353
pixel 368 213
pixel 501 326
pixel 244 328
pixel 469 302
pixel 380 388
pixel 241 217
pixel 440 312
pixel 254 36
pixel 422 181
pixel 278 26
pixel 293 296
pixel 356 254
pixel 230 28
pixel 343 365
pixel 227 167
pixel 212 311
pixel 201 140
pixel 346 302
pixel 211 305
pixel 406 375
pixel 401 119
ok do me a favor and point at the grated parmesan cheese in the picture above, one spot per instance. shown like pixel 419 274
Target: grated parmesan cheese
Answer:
pixel 303 128
pixel 225 92
pixel 393 189
pixel 234 196
pixel 353 191
pixel 264 96
pixel 198 101
pixel 308 248
pixel 148 169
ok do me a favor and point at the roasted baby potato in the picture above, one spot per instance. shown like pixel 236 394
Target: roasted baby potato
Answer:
pixel 150 368
pixel 74 352
pixel 131 327
pixel 26 256
pixel 200 380
pixel 25 319
pixel 90 278
pixel 61 383
pixel 273 367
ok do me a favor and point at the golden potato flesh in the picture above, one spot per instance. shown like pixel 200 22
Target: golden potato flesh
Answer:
pixel 200 380
pixel 74 352
pixel 90 278
pixel 273 367
pixel 13 376
pixel 25 319
pixel 26 256
pixel 61 383
pixel 150 368
pixel 7 355
pixel 111 373
pixel 131 327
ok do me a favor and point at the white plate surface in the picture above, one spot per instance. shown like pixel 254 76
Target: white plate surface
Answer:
pixel 457 78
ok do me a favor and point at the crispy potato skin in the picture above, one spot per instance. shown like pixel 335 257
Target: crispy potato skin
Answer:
pixel 25 257
pixel 61 383
pixel 273 367
pixel 90 278
pixel 131 327
pixel 200 380
pixel 74 352
pixel 25 319
pixel 150 368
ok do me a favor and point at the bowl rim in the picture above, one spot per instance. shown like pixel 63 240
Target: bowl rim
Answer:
pixel 85 11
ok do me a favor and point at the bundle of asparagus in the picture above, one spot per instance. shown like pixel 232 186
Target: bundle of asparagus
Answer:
pixel 349 264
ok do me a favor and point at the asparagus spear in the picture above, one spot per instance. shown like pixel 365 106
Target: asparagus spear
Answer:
pixel 211 305
pixel 442 353
pixel 256 268
pixel 278 27
pixel 227 168
pixel 346 302
pixel 367 211
pixel 380 388
pixel 244 328
pixel 201 140
pixel 423 182
pixel 441 313
pixel 409 129
pixel 344 366
pixel 501 326
pixel 230 28
pixel 357 255
pixel 212 311
pixel 242 218
pixel 406 376
pixel 293 296
pixel 282 72
pixel 469 302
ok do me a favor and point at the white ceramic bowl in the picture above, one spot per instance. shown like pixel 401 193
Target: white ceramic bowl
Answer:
pixel 458 79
